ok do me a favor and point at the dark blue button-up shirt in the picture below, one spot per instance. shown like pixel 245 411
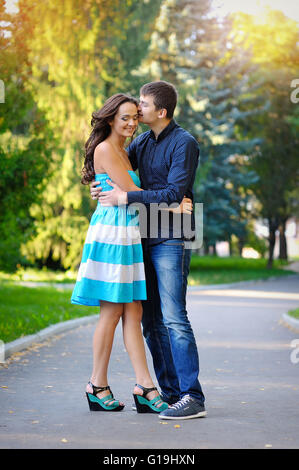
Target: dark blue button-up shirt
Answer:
pixel 167 167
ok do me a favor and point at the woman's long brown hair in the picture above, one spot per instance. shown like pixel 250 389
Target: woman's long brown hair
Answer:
pixel 101 129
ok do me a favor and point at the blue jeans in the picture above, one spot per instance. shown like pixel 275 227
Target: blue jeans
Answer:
pixel 166 326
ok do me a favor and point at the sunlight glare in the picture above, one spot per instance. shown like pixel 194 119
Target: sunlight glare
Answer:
pixel 258 7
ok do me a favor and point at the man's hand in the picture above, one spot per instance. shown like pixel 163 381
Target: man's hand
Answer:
pixel 116 197
pixel 95 189
pixel 185 207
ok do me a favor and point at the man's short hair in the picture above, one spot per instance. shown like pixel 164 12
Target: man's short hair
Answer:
pixel 164 95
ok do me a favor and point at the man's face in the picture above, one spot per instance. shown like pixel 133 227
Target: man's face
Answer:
pixel 148 114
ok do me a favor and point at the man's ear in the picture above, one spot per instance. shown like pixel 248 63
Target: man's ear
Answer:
pixel 162 113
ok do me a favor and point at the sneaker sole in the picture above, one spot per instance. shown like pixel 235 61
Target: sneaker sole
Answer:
pixel 201 414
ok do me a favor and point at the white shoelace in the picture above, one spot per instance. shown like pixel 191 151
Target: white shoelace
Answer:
pixel 183 401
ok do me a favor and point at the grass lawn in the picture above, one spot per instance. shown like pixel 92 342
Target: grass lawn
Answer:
pixel 205 270
pixel 294 313
pixel 25 310
pixel 39 275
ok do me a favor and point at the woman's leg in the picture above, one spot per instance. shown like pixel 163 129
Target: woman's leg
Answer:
pixel 110 314
pixel 134 344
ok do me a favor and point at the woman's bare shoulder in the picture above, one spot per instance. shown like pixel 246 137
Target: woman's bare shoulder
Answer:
pixel 105 150
pixel 103 147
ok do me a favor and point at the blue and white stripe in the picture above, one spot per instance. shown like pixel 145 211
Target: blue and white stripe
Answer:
pixel 111 267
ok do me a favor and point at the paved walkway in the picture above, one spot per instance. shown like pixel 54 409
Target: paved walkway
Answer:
pixel 294 266
pixel 249 374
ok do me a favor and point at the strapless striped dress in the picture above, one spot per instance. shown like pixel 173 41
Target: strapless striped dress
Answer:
pixel 111 267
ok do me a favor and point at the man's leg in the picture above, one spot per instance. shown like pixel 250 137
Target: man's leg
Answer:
pixel 171 263
pixel 157 337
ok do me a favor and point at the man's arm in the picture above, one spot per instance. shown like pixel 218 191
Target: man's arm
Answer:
pixel 183 167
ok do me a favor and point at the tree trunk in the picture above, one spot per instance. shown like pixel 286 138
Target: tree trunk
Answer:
pixel 206 248
pixel 283 252
pixel 241 243
pixel 273 226
pixel 230 245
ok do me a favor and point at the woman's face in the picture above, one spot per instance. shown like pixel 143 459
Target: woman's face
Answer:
pixel 125 121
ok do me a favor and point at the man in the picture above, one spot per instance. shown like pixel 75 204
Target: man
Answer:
pixel 167 158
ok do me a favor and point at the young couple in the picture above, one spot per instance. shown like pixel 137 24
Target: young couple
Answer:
pixel 140 280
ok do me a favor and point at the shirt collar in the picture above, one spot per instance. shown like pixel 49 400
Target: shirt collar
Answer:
pixel 165 131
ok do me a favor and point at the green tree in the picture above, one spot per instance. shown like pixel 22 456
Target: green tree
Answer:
pixel 25 143
pixel 190 48
pixel 80 53
pixel 274 46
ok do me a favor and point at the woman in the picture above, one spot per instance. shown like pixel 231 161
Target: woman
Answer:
pixel 111 272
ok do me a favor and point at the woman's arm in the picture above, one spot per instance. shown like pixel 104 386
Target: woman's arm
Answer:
pixel 107 159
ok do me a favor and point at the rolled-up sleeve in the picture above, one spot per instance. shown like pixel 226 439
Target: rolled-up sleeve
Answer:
pixel 183 166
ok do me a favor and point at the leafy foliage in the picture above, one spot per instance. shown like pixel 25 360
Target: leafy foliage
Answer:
pixel 189 48
pixel 274 45
pixel 61 60
pixel 79 54
pixel 25 145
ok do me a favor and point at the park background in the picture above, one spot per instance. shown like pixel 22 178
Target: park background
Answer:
pixel 235 71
